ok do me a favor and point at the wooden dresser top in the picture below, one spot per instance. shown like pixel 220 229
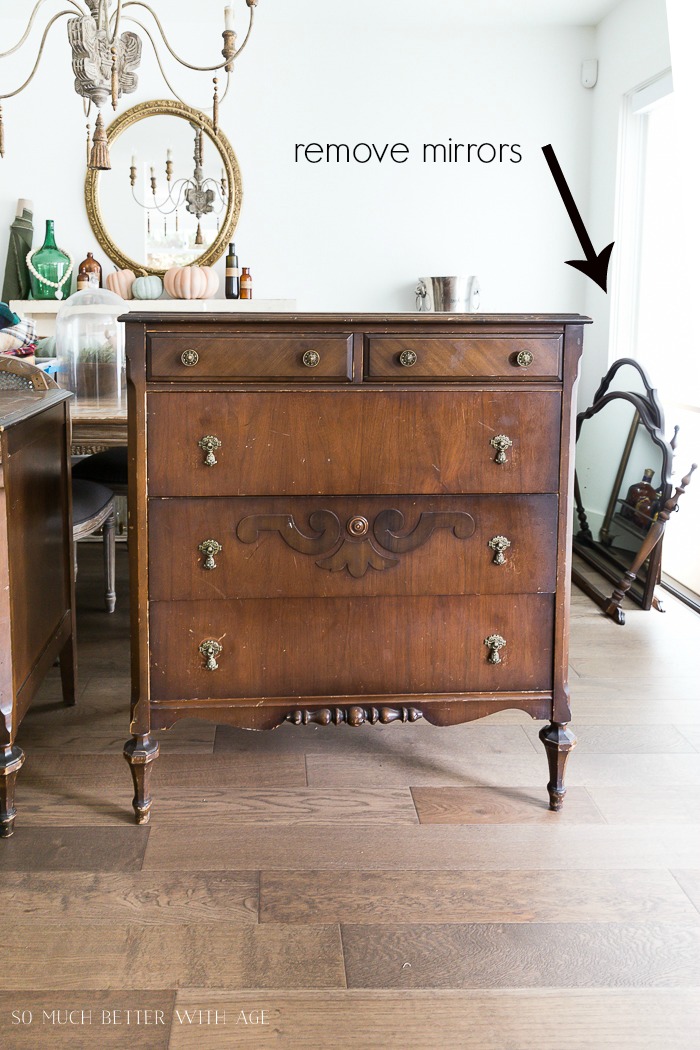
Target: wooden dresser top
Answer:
pixel 356 319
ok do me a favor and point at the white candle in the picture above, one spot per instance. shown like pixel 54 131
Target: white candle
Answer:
pixel 133 160
pixel 228 18
pixel 169 155
pixel 153 173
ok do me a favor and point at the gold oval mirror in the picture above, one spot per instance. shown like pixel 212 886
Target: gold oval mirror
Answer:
pixel 173 194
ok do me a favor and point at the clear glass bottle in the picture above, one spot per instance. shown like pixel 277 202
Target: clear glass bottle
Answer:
pixel 53 264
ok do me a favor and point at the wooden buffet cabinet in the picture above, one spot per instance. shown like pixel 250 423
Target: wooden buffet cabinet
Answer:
pixel 349 519
pixel 37 594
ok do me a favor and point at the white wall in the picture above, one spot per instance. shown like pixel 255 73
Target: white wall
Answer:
pixel 632 47
pixel 358 237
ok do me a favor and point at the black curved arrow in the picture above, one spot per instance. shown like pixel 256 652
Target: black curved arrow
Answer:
pixel 594 265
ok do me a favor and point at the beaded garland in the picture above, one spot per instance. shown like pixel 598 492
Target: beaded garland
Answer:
pixel 45 280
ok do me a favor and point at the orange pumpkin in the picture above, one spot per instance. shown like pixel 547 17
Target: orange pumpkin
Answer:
pixel 191 282
pixel 121 283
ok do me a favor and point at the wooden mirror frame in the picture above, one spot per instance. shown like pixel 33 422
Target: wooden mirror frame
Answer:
pixel 167 108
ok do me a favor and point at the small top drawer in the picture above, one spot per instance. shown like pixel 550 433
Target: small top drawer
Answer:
pixel 241 357
pixel 407 358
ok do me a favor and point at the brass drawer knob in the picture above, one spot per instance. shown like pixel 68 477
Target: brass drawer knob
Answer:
pixel 210 548
pixel 210 650
pixel 358 526
pixel 500 545
pixel 408 358
pixel 209 444
pixel 501 443
pixel 495 643
pixel 525 359
pixel 311 359
pixel 189 358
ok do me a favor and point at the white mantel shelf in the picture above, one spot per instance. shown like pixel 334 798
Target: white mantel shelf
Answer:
pixel 44 311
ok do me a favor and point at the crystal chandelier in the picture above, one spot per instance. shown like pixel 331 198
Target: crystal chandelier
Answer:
pixel 105 60
pixel 200 195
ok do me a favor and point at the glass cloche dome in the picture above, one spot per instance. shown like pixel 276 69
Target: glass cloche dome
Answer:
pixel 90 346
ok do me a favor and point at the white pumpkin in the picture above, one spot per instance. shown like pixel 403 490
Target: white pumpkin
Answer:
pixel 191 282
pixel 121 283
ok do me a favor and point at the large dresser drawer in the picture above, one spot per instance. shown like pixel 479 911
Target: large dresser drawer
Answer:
pixel 350 646
pixel 511 357
pixel 239 357
pixel 305 548
pixel 357 440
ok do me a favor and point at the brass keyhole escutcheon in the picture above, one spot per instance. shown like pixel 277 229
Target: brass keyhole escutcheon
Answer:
pixel 189 358
pixel 495 642
pixel 358 526
pixel 210 650
pixel 525 359
pixel 500 545
pixel 210 548
pixel 209 444
pixel 408 358
pixel 311 359
pixel 501 443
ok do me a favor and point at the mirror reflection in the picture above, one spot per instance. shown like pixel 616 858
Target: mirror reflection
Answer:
pixel 173 193
pixel 622 479
pixel 615 457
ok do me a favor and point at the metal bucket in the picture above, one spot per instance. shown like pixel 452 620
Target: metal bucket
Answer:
pixel 453 295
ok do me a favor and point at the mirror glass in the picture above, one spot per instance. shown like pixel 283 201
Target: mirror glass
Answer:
pixel 172 196
pixel 613 452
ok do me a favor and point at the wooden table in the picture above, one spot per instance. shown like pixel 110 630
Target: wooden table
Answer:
pixel 97 425
pixel 37 608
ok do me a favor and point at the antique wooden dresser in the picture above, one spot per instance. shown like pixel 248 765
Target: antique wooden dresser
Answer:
pixel 349 519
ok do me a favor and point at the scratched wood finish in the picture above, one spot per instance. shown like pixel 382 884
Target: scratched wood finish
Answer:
pixel 361 440
pixel 452 358
pixel 288 647
pixel 269 356
pixel 269 568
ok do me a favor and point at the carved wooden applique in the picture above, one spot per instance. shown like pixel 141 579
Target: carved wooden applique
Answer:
pixel 357 547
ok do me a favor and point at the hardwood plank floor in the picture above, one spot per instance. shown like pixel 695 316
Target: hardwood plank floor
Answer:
pixel 393 888
pixel 579 1019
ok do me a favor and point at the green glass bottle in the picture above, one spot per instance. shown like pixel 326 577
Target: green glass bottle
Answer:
pixel 53 265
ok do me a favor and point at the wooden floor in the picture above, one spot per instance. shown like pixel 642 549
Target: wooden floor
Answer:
pixel 401 888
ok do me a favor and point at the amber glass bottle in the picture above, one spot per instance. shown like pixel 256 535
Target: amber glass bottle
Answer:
pixel 246 284
pixel 92 268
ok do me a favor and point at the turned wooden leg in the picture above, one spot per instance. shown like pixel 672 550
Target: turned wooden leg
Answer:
pixel 11 761
pixel 109 550
pixel 558 741
pixel 69 672
pixel 141 752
